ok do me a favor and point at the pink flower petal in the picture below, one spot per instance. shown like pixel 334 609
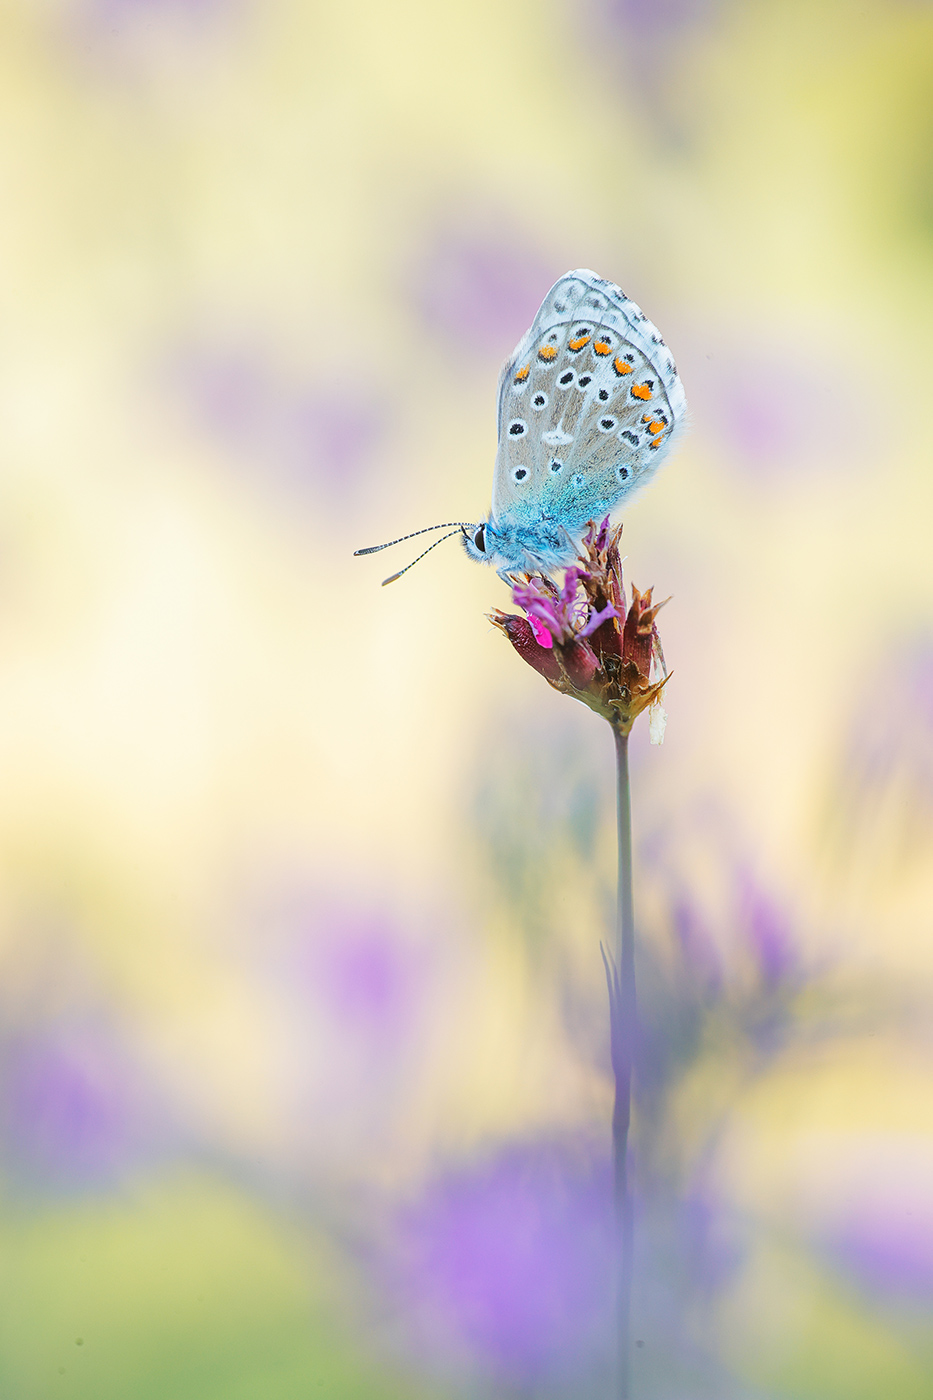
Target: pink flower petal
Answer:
pixel 542 635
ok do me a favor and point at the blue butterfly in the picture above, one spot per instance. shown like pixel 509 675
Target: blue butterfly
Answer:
pixel 590 403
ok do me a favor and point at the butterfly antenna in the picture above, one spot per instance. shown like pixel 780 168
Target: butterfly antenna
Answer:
pixel 375 548
pixel 393 577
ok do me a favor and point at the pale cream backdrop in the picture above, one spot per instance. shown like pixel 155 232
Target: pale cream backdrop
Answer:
pixel 302 881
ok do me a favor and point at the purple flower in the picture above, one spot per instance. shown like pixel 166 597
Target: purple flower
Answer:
pixel 371 982
pixel 877 1219
pixel 359 998
pixel 756 402
pixel 659 18
pixel 767 928
pixel 889 1253
pixel 68 1106
pixel 298 430
pixel 584 641
pixel 480 285
pixel 554 614
pixel 507 1265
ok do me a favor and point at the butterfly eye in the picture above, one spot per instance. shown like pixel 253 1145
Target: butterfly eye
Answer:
pixel 566 379
pixel 539 401
pixel 479 539
pixel 520 473
pixel 606 425
pixel 517 427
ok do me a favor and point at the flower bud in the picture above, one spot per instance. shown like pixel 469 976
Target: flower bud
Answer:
pixel 585 642
pixel 518 630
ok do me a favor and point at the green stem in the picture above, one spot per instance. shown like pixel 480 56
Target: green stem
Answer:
pixel 622 1065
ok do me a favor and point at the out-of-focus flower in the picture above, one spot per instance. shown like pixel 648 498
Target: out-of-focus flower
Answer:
pixel 303 432
pixel 505 1266
pixel 478 281
pixel 878 821
pixel 70 1108
pixel 586 641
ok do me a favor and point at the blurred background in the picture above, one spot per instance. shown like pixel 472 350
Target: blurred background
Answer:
pixel 304 1082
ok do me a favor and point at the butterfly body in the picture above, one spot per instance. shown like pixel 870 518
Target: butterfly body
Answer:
pixel 589 405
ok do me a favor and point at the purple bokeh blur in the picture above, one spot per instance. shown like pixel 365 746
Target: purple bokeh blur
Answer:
pixel 890 1250
pixel 357 992
pixel 653 18
pixel 370 979
pixel 892 730
pixel 479 283
pixel 881 1233
pixel 110 13
pixel 640 45
pixel 318 435
pixel 505 1266
pixel 696 944
pixel 134 43
pixel 70 1107
pixel 779 410
pixel 767 928
pixel 728 921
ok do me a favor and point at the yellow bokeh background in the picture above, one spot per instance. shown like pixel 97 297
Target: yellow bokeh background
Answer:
pixel 259 266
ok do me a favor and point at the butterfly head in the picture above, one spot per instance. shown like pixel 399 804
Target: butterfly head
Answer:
pixel 521 546
pixel 475 542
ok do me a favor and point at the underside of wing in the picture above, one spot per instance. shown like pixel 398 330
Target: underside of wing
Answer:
pixel 589 405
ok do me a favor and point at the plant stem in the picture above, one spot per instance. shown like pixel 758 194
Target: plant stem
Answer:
pixel 625 1012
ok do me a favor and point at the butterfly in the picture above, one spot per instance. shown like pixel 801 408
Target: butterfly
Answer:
pixel 590 404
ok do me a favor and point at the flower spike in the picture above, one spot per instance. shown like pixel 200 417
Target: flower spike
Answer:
pixel 584 640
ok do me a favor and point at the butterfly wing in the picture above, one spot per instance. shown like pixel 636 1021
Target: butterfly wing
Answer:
pixel 589 405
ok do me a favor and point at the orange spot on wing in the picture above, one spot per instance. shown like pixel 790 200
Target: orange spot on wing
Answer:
pixel 601 347
pixel 522 374
pixel 655 442
pixel 547 352
pixel 657 426
pixel 641 391
pixel 621 366
pixel 579 343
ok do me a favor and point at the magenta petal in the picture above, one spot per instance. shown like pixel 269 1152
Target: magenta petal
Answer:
pixel 542 635
pixel 597 620
pixel 518 630
pixel 568 592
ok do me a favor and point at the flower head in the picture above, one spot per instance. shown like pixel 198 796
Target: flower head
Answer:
pixel 586 641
